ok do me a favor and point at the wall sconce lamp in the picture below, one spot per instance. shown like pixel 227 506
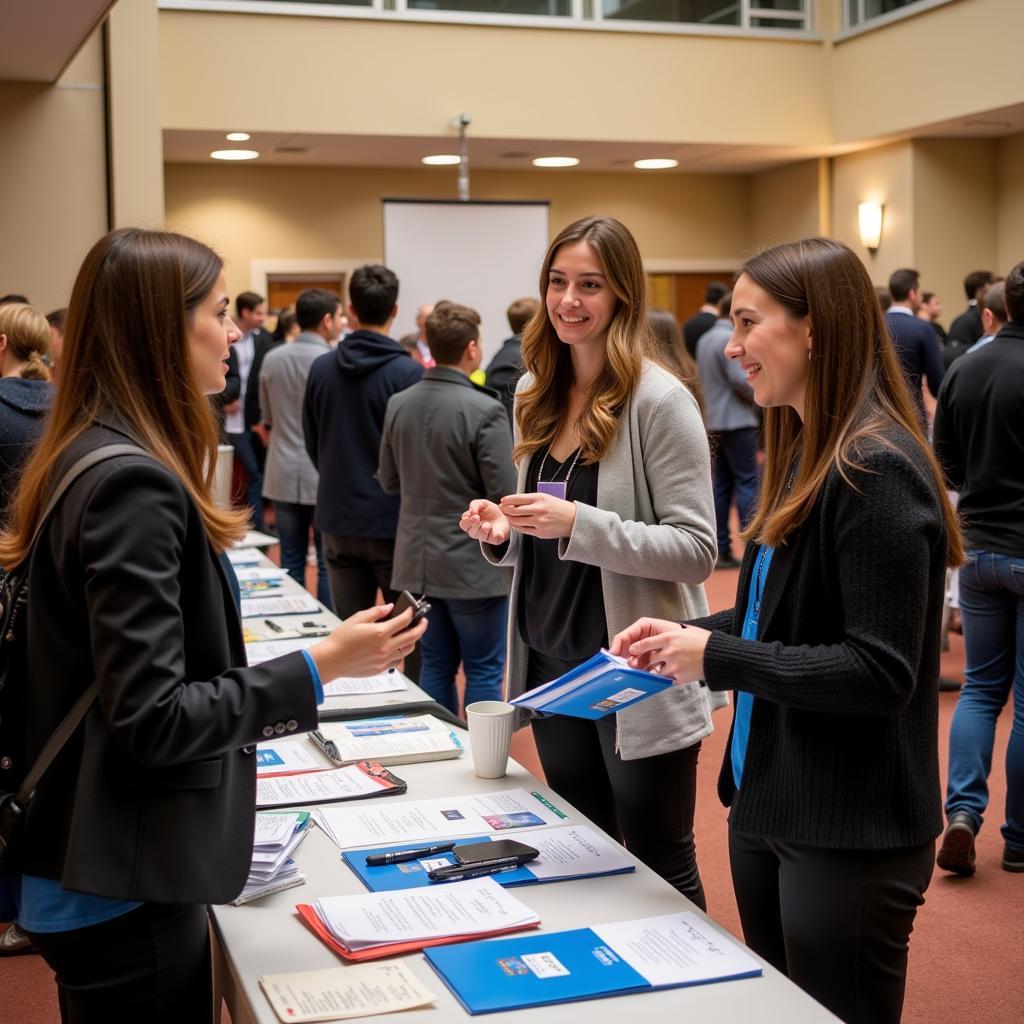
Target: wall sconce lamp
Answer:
pixel 869 216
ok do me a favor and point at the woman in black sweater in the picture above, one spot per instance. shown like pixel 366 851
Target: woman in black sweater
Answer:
pixel 831 771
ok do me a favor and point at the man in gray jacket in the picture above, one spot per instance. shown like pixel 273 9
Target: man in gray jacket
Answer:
pixel 289 479
pixel 447 441
pixel 732 429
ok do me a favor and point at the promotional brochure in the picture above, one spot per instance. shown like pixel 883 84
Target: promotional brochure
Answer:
pixel 355 782
pixel 392 740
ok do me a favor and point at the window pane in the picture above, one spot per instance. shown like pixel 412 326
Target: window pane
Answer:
pixel 851 13
pixel 873 8
pixel 777 5
pixel 703 12
pixel 537 7
pixel 789 23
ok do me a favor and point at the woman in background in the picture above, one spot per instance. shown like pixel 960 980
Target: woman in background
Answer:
pixel 670 351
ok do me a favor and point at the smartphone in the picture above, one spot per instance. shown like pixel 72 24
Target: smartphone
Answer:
pixel 406 600
pixel 471 853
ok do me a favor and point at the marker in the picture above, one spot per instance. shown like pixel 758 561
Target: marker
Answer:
pixel 461 874
pixel 274 626
pixel 376 860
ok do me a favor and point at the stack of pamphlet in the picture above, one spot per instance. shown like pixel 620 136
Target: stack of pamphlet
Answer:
pixel 272 869
pixel 391 740
pixel 378 924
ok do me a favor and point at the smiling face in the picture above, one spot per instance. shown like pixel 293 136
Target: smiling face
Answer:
pixel 209 334
pixel 579 299
pixel 771 345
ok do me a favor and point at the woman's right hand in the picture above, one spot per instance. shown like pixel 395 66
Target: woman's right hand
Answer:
pixel 367 643
pixel 485 521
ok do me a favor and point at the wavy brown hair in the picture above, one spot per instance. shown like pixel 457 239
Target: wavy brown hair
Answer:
pixel 541 407
pixel 670 351
pixel 855 391
pixel 127 356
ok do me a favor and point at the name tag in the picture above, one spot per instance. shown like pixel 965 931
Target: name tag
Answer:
pixel 556 488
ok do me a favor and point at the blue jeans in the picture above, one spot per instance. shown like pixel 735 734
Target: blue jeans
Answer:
pixel 471 631
pixel 293 525
pixel 245 451
pixel 734 473
pixel 992 606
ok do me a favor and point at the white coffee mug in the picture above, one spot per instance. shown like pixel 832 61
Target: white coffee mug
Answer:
pixel 490 734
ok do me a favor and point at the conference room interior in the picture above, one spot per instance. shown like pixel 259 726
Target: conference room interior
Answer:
pixel 895 127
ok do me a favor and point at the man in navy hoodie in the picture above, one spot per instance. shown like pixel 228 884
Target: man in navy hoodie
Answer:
pixel 343 417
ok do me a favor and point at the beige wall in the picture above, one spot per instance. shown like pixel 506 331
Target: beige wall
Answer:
pixel 318 213
pixel 1010 197
pixel 402 78
pixel 951 61
pixel 53 197
pixel 786 203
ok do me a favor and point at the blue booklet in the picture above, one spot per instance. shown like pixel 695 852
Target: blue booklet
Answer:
pixel 645 955
pixel 565 852
pixel 600 686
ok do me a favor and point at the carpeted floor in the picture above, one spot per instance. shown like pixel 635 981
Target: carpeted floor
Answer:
pixel 965 955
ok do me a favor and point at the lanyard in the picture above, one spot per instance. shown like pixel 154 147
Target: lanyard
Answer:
pixel 543 462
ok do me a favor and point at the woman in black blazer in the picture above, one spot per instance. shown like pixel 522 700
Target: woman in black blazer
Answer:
pixel 831 771
pixel 147 815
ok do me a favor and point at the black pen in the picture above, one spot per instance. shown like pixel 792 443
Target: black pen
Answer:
pixel 329 747
pixel 274 626
pixel 456 873
pixel 376 860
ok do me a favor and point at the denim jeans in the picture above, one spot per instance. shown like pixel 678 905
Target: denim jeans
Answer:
pixel 293 525
pixel 245 452
pixel 471 631
pixel 992 606
pixel 734 473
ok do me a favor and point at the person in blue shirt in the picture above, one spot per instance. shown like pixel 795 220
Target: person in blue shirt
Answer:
pixel 147 814
pixel 831 771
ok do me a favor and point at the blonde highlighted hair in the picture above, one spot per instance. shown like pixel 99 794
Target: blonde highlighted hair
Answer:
pixel 28 338
pixel 127 356
pixel 541 407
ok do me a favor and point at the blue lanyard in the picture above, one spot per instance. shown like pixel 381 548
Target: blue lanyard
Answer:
pixel 759 584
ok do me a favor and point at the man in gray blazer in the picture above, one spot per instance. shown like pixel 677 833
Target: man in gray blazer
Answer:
pixel 447 441
pixel 289 478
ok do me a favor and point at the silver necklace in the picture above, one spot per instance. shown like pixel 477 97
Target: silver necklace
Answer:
pixel 543 463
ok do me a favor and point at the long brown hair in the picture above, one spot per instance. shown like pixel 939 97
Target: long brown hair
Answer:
pixel 671 352
pixel 28 338
pixel 126 355
pixel 855 387
pixel 541 407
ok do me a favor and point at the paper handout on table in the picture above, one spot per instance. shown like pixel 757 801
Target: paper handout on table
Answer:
pixel 394 740
pixel 294 604
pixel 651 953
pixel 256 539
pixel 343 993
pixel 372 925
pixel 566 852
pixel 259 574
pixel 357 781
pixel 275 838
pixel 600 686
pixel 444 817
pixel 243 556
pixel 257 653
pixel 291 756
pixel 385 682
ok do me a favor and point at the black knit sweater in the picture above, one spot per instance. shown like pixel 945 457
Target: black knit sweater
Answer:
pixel 843 749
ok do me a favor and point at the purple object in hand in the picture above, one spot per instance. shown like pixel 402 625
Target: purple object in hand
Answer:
pixel 556 488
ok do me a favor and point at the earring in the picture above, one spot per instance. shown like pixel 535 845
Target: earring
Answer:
pixel 808 355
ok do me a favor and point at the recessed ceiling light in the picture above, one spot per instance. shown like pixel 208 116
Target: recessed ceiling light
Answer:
pixel 555 161
pixel 238 136
pixel 658 164
pixel 441 160
pixel 234 154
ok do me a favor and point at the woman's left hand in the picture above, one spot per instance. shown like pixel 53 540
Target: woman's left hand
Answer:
pixel 666 648
pixel 539 515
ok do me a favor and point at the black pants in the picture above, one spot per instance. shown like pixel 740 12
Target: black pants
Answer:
pixel 837 922
pixel 356 567
pixel 151 964
pixel 646 804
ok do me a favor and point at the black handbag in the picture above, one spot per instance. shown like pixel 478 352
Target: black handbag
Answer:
pixel 13 597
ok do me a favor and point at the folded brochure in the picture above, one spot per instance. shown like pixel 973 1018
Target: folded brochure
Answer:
pixel 356 782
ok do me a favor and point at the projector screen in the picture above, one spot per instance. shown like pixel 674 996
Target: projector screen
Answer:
pixel 479 253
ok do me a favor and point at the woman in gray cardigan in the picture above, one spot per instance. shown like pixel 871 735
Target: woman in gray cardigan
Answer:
pixel 613 514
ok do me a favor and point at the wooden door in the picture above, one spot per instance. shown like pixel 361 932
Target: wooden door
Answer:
pixel 681 294
pixel 284 289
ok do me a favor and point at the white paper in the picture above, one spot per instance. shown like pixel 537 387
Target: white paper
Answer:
pixel 279 757
pixel 341 993
pixel 274 830
pixel 408 915
pixel 316 787
pixel 384 682
pixel 389 738
pixel 259 573
pixel 676 949
pixel 504 813
pixel 293 605
pixel 258 652
pixel 575 850
pixel 243 556
pixel 255 539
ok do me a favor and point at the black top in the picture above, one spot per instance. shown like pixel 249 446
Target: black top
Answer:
pixel 23 404
pixel 695 328
pixel 504 371
pixel 979 438
pixel 843 748
pixel 967 328
pixel 561 606
pixel 919 353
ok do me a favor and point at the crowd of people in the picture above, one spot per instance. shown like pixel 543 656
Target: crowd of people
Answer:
pixel 577 498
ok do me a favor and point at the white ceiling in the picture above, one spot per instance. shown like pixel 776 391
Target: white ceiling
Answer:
pixel 39 37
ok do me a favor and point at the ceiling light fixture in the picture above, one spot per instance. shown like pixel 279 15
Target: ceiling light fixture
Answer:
pixel 238 136
pixel 234 154
pixel 442 160
pixel 555 161
pixel 656 164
